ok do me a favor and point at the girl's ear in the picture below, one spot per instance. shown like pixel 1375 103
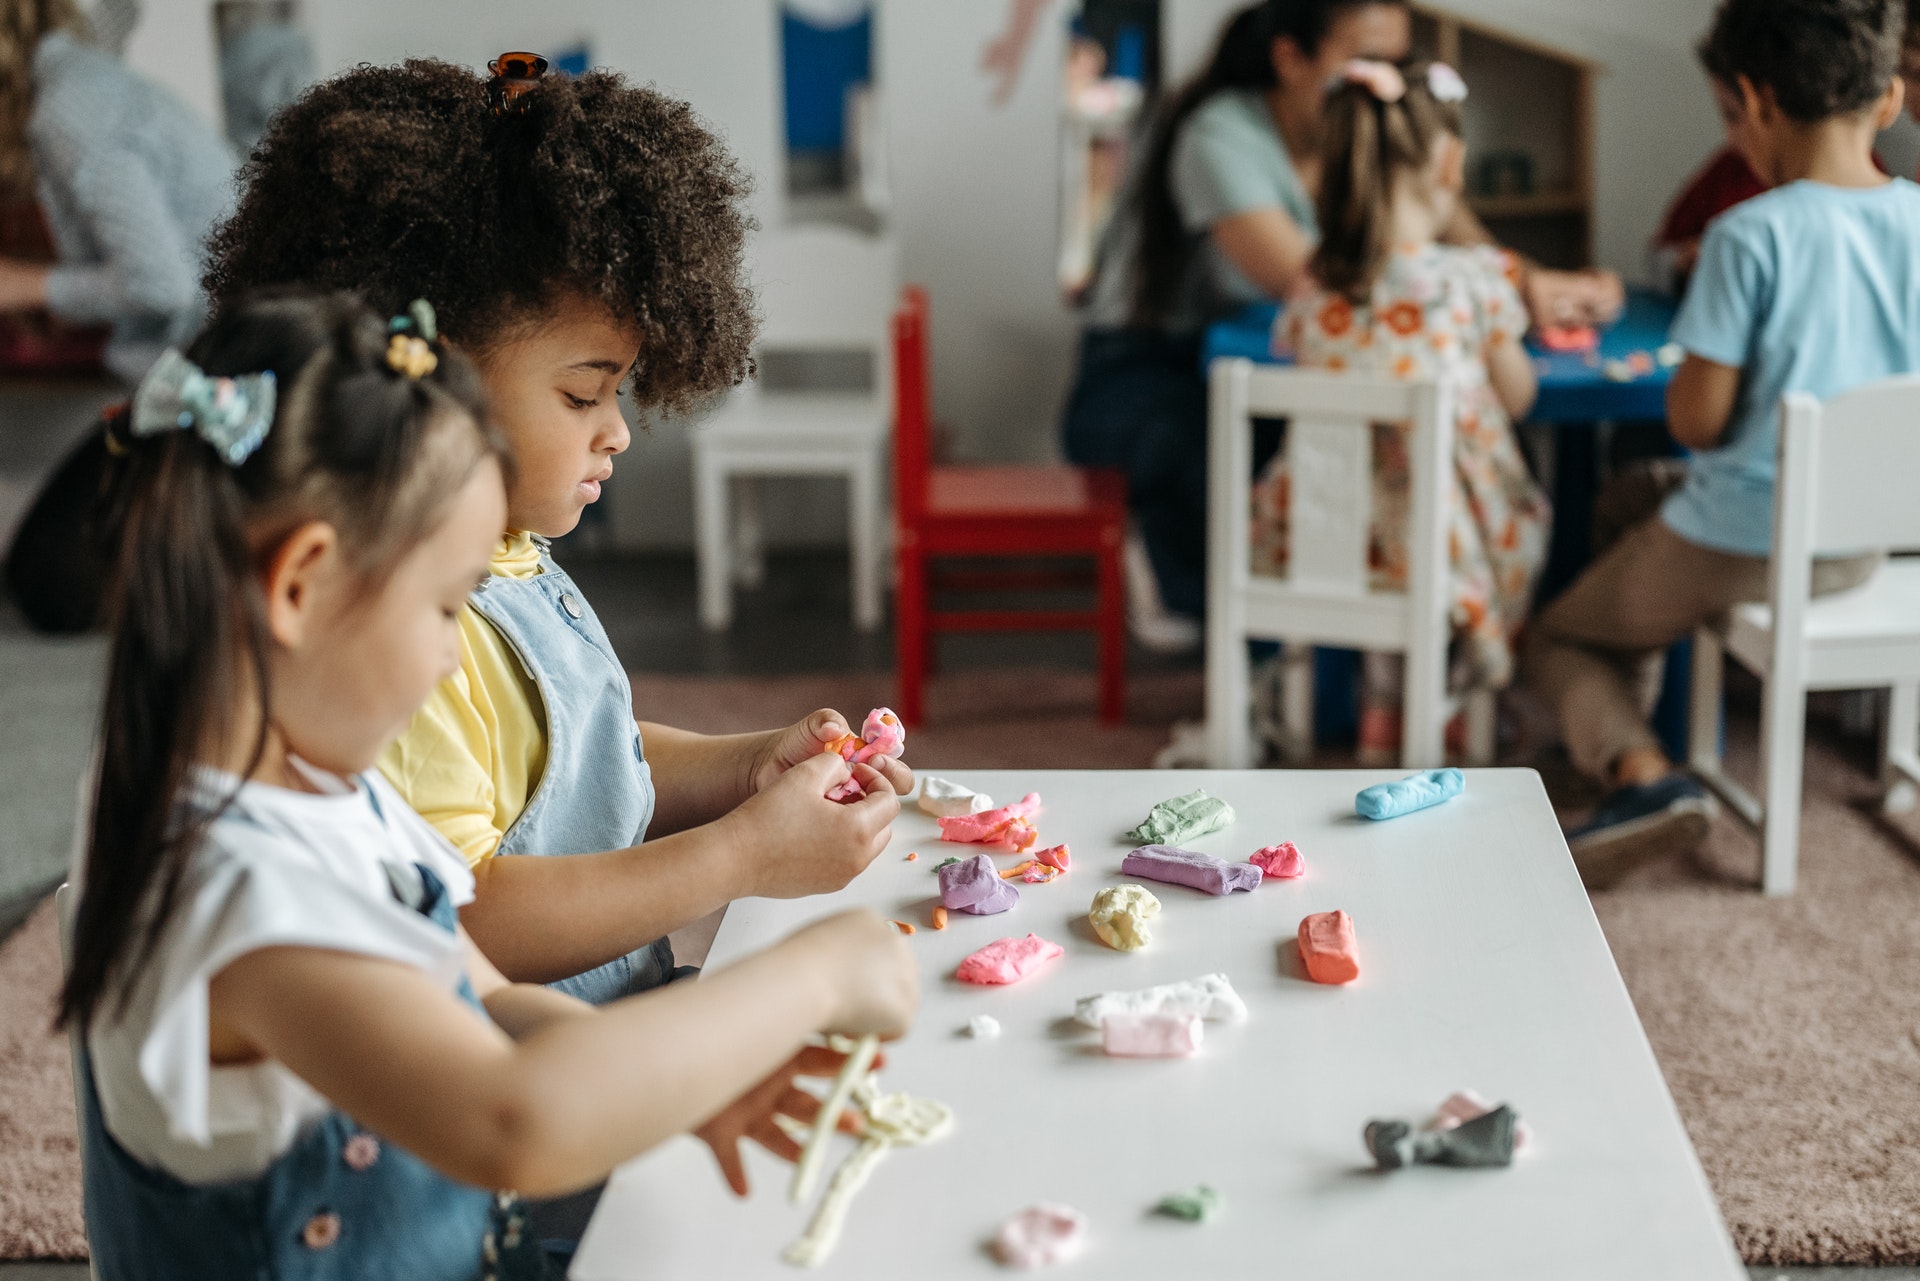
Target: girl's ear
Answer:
pixel 295 580
pixel 1450 160
pixel 1887 110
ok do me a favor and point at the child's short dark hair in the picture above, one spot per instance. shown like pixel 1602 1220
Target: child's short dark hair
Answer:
pixel 1821 58
pixel 402 183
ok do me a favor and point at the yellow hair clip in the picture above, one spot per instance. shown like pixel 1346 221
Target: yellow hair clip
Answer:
pixel 411 356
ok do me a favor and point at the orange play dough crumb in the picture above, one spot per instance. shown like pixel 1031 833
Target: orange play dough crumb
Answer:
pixel 905 927
pixel 1012 872
pixel 940 918
pixel 912 857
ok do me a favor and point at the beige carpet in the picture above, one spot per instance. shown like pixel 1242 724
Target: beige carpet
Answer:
pixel 39 1150
pixel 1789 1030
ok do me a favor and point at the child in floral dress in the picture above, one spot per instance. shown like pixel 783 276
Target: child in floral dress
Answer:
pixel 1386 299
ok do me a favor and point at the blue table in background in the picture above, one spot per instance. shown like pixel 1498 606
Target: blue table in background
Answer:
pixel 1577 400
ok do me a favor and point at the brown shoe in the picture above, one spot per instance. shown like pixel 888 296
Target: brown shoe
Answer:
pixel 1638 825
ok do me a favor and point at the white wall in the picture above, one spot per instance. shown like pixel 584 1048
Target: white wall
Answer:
pixel 174 45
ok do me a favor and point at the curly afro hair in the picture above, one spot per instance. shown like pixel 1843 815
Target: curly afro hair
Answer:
pixel 401 183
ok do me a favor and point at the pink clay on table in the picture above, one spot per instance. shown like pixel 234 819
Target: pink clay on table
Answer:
pixel 1040 1235
pixel 1054 856
pixel 1151 1036
pixel 1328 947
pixel 987 826
pixel 1007 960
pixel 1280 862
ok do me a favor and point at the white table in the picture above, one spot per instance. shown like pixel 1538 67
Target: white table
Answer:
pixel 1482 967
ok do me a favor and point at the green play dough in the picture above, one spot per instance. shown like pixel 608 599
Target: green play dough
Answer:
pixel 1197 1206
pixel 1181 819
pixel 943 862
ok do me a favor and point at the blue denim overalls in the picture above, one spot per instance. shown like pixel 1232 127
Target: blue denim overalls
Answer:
pixel 596 792
pixel 339 1205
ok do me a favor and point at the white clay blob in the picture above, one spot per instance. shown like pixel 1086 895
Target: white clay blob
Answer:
pixel 944 798
pixel 983 1027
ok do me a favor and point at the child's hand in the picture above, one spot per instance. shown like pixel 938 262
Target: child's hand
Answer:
pixel 870 970
pixel 782 749
pixel 797 842
pixel 751 1115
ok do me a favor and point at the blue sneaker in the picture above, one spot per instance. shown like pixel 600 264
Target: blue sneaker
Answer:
pixel 1640 824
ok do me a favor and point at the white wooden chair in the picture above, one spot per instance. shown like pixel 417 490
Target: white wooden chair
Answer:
pixel 1326 598
pixel 823 289
pixel 1845 485
pixel 63 906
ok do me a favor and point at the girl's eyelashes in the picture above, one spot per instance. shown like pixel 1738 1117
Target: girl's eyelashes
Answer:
pixel 580 402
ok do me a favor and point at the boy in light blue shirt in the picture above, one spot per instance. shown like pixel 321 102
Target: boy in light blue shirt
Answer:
pixel 1813 287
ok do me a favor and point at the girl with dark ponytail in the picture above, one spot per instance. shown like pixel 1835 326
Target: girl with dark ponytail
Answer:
pixel 291 1049
pixel 1219 214
pixel 1387 299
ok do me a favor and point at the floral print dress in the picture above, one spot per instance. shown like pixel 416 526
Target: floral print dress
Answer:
pixel 1434 313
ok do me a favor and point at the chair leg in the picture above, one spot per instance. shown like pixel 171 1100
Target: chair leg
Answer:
pixel 910 636
pixel 1703 703
pixel 1783 722
pixel 1901 755
pixel 1296 704
pixel 1482 711
pixel 1113 635
pixel 748 534
pixel 1423 732
pixel 1229 705
pixel 710 541
pixel 864 539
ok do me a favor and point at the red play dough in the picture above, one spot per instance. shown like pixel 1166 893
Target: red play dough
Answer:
pixel 1007 960
pixel 1327 946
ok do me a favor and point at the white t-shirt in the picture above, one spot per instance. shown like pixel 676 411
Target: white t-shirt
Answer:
pixel 279 868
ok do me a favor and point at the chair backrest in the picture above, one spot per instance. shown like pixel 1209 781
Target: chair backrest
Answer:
pixel 912 408
pixel 1847 469
pixel 825 288
pixel 1329 448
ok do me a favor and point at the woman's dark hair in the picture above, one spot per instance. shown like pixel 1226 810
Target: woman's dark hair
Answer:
pixel 1821 58
pixel 1366 145
pixel 1242 60
pixel 402 182
pixel 378 454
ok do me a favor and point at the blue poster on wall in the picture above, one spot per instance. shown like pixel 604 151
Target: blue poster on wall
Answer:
pixel 822 59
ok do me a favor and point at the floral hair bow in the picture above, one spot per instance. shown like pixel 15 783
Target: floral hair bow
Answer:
pixel 231 414
pixel 410 349
pixel 1381 79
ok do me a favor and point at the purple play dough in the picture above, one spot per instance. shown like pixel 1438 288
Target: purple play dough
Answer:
pixel 1190 868
pixel 974 885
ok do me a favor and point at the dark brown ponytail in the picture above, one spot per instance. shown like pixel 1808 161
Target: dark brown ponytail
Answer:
pixel 353 442
pixel 1366 147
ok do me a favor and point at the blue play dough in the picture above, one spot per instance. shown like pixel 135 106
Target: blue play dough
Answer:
pixel 1415 792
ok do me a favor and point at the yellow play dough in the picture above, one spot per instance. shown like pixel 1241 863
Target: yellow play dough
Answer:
pixel 1120 915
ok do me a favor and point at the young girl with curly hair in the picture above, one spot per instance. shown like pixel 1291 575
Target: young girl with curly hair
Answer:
pixel 574 234
pixel 295 1061
pixel 1387 300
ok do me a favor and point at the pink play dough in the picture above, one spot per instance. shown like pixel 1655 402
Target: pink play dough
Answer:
pixel 1007 960
pixel 1151 1036
pixel 1040 1235
pixel 1280 862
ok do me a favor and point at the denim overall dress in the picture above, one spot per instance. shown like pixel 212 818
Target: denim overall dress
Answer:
pixel 339 1205
pixel 596 792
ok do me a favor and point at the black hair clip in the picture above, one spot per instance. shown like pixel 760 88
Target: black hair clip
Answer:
pixel 513 75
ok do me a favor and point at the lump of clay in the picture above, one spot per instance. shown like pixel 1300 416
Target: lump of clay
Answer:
pixel 1280 862
pixel 1487 1140
pixel 1464 1105
pixel 983 1027
pixel 1415 792
pixel 1054 856
pixel 1007 960
pixel 1040 1235
pixel 1198 1206
pixel 1210 996
pixel 1120 915
pixel 974 885
pixel 1009 825
pixel 1151 1036
pixel 1328 947
pixel 1190 868
pixel 944 798
pixel 1182 819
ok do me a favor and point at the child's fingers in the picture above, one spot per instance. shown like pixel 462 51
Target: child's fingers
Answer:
pixel 775 1140
pixel 732 1168
pixel 822 770
pixel 826 725
pixel 895 771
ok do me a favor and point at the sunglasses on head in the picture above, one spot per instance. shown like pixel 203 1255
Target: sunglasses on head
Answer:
pixel 513 75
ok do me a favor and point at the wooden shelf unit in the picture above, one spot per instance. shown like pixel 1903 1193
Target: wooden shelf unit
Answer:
pixel 1525 99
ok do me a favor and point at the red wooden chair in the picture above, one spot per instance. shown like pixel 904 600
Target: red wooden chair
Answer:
pixel 994 512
